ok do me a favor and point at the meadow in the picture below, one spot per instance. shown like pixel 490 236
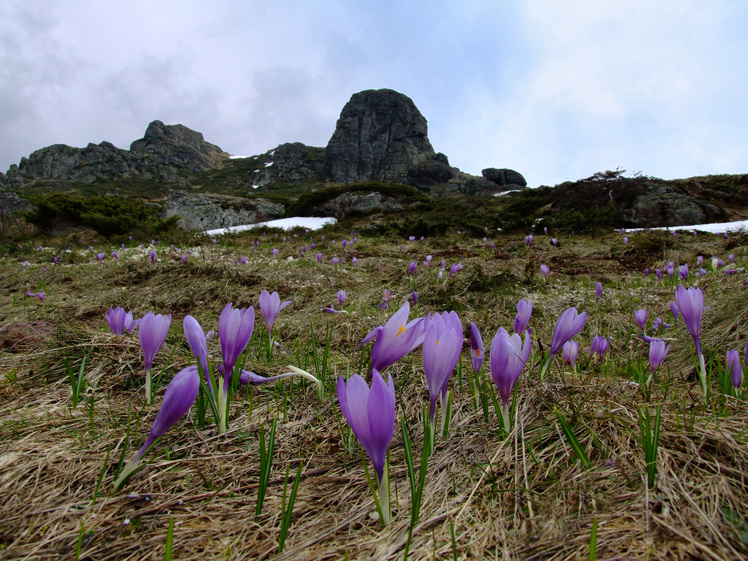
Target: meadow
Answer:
pixel 599 462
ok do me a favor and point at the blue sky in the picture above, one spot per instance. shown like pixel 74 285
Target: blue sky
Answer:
pixel 555 90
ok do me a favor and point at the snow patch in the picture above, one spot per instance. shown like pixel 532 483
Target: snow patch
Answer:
pixel 310 222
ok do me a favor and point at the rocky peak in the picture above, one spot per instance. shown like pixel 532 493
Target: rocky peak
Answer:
pixel 177 144
pixel 379 136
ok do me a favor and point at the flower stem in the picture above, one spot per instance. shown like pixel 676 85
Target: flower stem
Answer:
pixel 702 374
pixel 384 494
pixel 506 418
pixel 148 387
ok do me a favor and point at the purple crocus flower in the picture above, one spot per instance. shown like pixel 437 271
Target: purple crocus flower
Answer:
pixel 625 239
pixel 371 414
pixel 54 260
pixel 415 298
pixel 100 257
pixel 674 310
pixel 270 305
pixel 235 327
pixel 25 265
pixel 427 263
pixel 657 353
pixel 152 334
pixel 114 254
pixel 153 256
pixel 197 342
pixel 683 271
pixel 699 260
pixel 453 269
pixel 544 270
pixel 568 325
pixel 179 396
pixel 734 368
pixel 570 351
pixel 335 261
pixel 396 338
pixel 641 318
pixel 524 313
pixel 599 345
pixel 476 348
pixel 385 302
pixel 658 274
pixel 554 241
pixel 731 257
pixel 528 239
pixel 342 294
pixel 509 355
pixel 442 345
pixel 412 267
pixel 116 318
pixel 690 302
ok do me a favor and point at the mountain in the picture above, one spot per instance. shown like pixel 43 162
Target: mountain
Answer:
pixel 380 142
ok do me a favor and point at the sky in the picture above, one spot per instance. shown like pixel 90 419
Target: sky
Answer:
pixel 555 90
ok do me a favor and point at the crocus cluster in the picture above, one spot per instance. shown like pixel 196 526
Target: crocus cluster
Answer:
pixel 442 345
pixel 569 324
pixel 119 320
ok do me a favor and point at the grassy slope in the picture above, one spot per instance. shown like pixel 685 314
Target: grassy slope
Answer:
pixel 525 496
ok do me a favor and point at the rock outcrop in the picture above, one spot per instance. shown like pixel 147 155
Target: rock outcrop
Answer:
pixel 208 212
pixel 164 153
pixel 360 201
pixel 379 136
pixel 292 162
pixel 507 178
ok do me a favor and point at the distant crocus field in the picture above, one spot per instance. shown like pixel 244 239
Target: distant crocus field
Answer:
pixel 341 394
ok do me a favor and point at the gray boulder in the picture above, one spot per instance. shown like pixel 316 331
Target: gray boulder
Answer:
pixel 379 136
pixel 360 201
pixel 504 178
pixel 208 212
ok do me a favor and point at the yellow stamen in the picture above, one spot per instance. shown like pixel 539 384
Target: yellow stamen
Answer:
pixel 399 331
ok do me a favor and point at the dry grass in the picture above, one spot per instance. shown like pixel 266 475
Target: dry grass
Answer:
pixel 521 497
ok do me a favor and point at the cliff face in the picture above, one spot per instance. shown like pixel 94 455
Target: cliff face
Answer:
pixel 379 136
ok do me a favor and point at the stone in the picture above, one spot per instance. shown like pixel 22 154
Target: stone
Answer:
pixel 292 162
pixel 379 136
pixel 505 177
pixel 179 145
pixel 365 202
pixel 209 212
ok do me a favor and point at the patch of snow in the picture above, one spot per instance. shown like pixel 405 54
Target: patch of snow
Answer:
pixel 238 157
pixel 506 192
pixel 268 164
pixel 255 186
pixel 311 222
pixel 715 228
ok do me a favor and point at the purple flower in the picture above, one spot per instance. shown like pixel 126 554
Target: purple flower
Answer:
pixel 599 345
pixel 235 327
pixel 657 353
pixel 570 351
pixel 153 256
pixel 674 310
pixel 641 318
pixel 334 261
pixel 396 338
pixel 341 296
pixel 427 263
pixel 275 253
pixel 554 241
pixel 453 269
pixel 524 312
pixel 114 254
pixel 116 319
pixel 734 368
pixel 412 267
pixel 731 257
pixel 415 298
pixel 683 271
pixel 54 260
pixel 442 345
pixel 25 265
pixel 319 257
pixel 354 260
pixel 528 239
pixel 625 239
pixel 476 348
pixel 699 259
pixel 569 324
pixel 100 257
pixel 599 290
pixel 179 397
pixel 197 342
pixel 270 305
pixel 658 274
pixel 385 302
pixel 509 355
pixel 152 334
pixel 690 303
pixel 371 414
pixel 544 270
